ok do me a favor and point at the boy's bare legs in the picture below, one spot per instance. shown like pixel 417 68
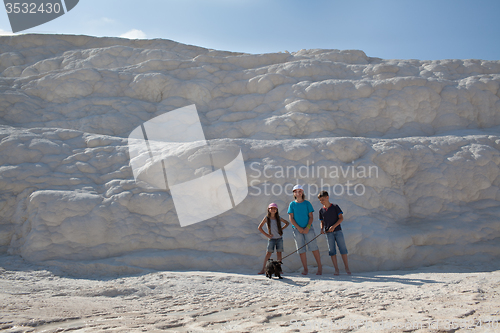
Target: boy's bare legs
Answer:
pixel 346 264
pixel 335 265
pixel 318 261
pixel 303 258
pixel 268 255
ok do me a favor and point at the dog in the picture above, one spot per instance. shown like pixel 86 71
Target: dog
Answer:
pixel 273 267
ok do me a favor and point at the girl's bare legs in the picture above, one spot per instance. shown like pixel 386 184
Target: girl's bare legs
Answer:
pixel 268 255
pixel 279 256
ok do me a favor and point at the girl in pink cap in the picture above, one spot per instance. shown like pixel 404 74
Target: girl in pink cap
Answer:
pixel 275 233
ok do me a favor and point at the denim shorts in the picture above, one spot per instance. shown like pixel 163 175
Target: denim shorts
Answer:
pixel 275 242
pixel 336 237
pixel 301 239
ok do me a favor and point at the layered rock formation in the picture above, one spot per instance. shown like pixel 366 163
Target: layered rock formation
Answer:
pixel 411 148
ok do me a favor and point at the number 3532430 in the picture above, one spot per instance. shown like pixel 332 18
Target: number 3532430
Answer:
pixel 32 8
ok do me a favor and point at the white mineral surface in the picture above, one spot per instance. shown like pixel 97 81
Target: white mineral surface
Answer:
pixel 444 298
pixel 410 147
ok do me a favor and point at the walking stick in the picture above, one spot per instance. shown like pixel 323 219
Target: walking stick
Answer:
pixel 301 247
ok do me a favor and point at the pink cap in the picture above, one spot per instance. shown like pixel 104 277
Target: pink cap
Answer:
pixel 272 205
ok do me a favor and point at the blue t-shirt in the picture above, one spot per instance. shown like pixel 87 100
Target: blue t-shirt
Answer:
pixel 301 212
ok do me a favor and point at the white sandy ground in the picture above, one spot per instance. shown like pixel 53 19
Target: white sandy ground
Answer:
pixel 447 298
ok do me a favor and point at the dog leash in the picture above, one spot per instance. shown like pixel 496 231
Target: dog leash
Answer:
pixel 301 247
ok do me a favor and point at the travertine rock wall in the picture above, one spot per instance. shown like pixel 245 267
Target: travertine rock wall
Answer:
pixel 413 146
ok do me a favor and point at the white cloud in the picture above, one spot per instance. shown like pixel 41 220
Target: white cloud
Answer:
pixel 6 33
pixel 107 20
pixel 134 34
pixel 102 21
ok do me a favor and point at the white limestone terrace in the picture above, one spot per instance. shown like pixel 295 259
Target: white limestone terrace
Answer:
pixel 68 196
pixel 110 85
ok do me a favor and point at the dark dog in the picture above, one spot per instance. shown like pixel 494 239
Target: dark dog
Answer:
pixel 273 267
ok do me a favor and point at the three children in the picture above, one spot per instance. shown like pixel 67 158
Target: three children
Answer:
pixel 301 217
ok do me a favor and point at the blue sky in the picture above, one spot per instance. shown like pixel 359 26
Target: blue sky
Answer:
pixel 389 29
